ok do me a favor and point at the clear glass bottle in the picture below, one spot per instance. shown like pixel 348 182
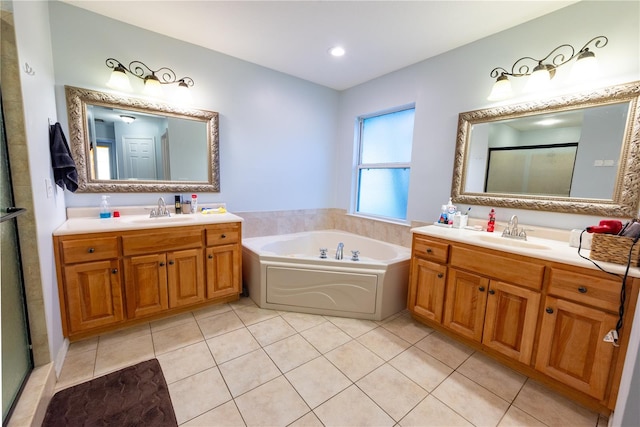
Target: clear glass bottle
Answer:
pixel 105 209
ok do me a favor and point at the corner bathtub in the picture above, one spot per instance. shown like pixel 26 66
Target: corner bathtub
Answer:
pixel 285 272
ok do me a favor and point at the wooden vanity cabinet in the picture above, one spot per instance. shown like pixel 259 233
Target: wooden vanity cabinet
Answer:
pixel 500 315
pixel 108 279
pixel 89 268
pixel 578 313
pixel 427 276
pixel 156 280
pixel 545 319
pixel 223 260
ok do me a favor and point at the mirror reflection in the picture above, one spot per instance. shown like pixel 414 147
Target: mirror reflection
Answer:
pixel 122 144
pixel 567 154
pixel 130 145
pixel 577 153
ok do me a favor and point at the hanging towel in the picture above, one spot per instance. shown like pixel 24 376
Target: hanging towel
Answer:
pixel 64 168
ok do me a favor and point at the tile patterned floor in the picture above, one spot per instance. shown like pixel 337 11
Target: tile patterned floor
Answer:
pixel 236 364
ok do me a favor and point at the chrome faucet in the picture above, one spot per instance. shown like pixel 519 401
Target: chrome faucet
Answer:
pixel 339 251
pixel 512 231
pixel 161 210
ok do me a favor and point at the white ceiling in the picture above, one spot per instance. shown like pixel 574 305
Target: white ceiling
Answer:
pixel 294 36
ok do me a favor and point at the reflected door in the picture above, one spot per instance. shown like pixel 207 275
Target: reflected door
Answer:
pixel 17 360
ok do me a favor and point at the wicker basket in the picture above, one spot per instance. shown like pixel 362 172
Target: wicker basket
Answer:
pixel 615 249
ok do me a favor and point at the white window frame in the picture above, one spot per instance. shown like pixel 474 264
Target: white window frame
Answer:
pixel 358 166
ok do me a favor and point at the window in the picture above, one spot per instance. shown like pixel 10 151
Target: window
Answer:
pixel 384 156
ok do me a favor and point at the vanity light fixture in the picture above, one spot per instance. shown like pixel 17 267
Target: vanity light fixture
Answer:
pixel 544 69
pixel 153 79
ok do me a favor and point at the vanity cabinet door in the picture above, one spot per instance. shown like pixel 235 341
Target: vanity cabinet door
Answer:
pixel 571 347
pixel 185 271
pixel 510 321
pixel 427 288
pixel 223 270
pixel 146 284
pixel 93 293
pixel 465 303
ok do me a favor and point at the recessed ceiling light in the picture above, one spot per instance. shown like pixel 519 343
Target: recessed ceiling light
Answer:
pixel 337 51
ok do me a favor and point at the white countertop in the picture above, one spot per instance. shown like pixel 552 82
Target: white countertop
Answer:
pixel 546 249
pixel 83 225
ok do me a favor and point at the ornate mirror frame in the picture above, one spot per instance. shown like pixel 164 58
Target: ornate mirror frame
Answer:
pixel 77 101
pixel 627 188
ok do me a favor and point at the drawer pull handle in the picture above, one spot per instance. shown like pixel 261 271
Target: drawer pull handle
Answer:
pixel 429 251
pixel 91 250
pixel 481 288
pixel 210 256
pixel 171 262
pixel 549 310
pixel 440 275
pixel 492 292
pixel 582 290
pixel 114 271
pixel 162 264
pixel 223 236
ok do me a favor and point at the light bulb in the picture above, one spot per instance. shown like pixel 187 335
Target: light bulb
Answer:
pixel 152 86
pixel 585 68
pixel 501 89
pixel 539 79
pixel 119 79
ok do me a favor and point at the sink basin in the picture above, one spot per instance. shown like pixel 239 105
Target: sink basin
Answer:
pixel 505 241
pixel 162 219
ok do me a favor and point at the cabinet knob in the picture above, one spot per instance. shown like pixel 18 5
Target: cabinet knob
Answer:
pixel 162 264
pixel 223 236
pixel 171 262
pixel 114 271
pixel 210 256
pixel 492 292
pixel 429 250
pixel 440 275
pixel 91 250
pixel 549 310
pixel 481 288
pixel 582 290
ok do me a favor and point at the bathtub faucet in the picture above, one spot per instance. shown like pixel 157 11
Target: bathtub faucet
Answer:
pixel 339 250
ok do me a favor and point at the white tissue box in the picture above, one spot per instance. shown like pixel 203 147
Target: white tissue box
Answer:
pixel 574 239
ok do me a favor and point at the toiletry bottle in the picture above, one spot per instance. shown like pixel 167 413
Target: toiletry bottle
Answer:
pixel 105 210
pixel 451 211
pixel 491 225
pixel 443 215
pixel 178 204
pixel 194 203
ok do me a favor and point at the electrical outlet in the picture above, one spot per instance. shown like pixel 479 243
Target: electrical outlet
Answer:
pixel 608 163
pixel 598 163
pixel 611 336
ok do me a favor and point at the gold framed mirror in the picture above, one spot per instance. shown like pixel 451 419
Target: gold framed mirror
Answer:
pixel 122 144
pixel 587 162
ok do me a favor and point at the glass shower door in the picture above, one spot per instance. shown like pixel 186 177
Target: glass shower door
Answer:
pixel 17 361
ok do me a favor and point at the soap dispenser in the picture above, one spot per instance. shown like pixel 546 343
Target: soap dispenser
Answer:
pixel 105 210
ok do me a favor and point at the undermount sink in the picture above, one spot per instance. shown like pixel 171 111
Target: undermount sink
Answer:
pixel 511 242
pixel 162 219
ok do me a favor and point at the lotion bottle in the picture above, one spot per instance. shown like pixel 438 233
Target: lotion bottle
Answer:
pixel 194 203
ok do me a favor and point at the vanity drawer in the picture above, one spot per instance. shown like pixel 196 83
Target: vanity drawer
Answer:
pixel 500 267
pixel 160 241
pixel 223 234
pixel 586 289
pixel 430 249
pixel 84 250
